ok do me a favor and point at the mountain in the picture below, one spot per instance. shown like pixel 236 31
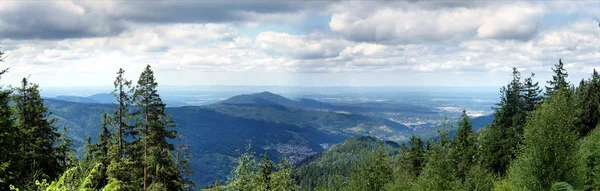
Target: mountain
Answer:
pixel 75 99
pixel 102 98
pixel 339 159
pixel 480 122
pixel 271 99
pixel 215 132
pixel 263 98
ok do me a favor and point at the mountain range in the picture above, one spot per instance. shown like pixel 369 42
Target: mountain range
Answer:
pixel 271 123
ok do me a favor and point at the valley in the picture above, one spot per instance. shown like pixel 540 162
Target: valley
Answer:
pixel 270 122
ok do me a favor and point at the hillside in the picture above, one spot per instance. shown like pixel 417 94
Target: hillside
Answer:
pixel 339 159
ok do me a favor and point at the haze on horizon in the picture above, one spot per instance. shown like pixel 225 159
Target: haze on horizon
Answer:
pixel 314 43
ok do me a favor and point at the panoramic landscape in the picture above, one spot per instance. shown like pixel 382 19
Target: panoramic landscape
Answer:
pixel 299 95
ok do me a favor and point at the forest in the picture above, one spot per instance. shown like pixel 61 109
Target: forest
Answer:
pixel 541 138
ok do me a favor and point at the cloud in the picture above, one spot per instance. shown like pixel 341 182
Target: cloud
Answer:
pixel 445 41
pixel 418 23
pixel 76 19
pixel 54 20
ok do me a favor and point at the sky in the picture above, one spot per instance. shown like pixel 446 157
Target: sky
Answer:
pixel 297 43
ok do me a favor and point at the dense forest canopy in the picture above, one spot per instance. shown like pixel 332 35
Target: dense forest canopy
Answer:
pixel 539 140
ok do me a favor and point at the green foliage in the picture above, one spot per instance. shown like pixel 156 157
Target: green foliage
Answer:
pixel 589 157
pixel 338 161
pixel 439 173
pixel 251 176
pixel 478 179
pixel 549 147
pixel 464 146
pixel 159 170
pixel 587 103
pixel 40 152
pixel 500 143
pixel 373 172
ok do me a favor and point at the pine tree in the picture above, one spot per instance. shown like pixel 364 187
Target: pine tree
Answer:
pixel 559 80
pixel 464 146
pixel 157 150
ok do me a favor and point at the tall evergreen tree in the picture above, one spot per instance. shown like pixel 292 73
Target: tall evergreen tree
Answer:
pixel 265 171
pixel 412 158
pixel 549 147
pixel 8 140
pixel 155 134
pixel 121 171
pixel 504 135
pixel 122 116
pixel 183 157
pixel 559 80
pixel 464 146
pixel 588 104
pixel 531 93
pixel 41 158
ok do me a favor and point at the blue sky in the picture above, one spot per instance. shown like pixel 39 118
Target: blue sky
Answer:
pixel 294 43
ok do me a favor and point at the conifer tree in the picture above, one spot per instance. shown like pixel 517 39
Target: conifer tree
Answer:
pixel 559 80
pixel 588 104
pixel 159 167
pixel 41 157
pixel 504 135
pixel 412 159
pixel 531 94
pixel 549 146
pixel 464 146
pixel 266 170
pixel 183 156
pixel 121 171
pixel 8 140
pixel 121 116
pixel 373 172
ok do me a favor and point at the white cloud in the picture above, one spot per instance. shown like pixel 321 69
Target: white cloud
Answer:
pixel 406 24
pixel 446 42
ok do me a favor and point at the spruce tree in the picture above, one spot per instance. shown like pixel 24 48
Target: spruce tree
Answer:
pixel 531 93
pixel 464 146
pixel 373 172
pixel 588 102
pixel 9 140
pixel 502 138
pixel 183 156
pixel 122 116
pixel 122 171
pixel 559 80
pixel 159 167
pixel 266 170
pixel 548 154
pixel 41 157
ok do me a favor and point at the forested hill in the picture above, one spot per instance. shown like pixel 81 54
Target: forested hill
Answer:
pixel 339 160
